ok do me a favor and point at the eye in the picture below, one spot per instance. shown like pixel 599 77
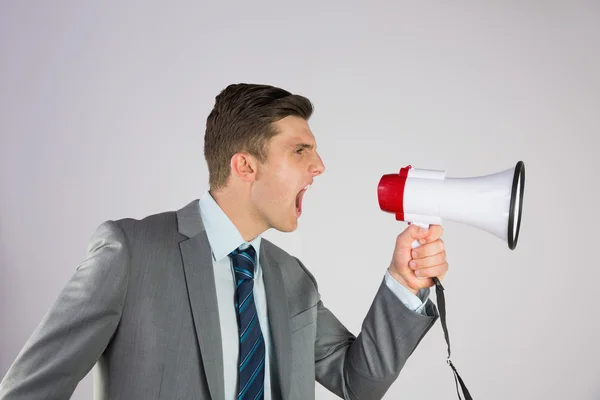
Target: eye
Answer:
pixel 299 150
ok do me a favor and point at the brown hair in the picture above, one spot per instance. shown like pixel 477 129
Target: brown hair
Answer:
pixel 241 120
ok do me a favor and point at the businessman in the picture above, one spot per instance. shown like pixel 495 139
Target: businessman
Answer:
pixel 194 304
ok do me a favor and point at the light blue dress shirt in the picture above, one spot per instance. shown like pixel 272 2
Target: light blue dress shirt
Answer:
pixel 224 237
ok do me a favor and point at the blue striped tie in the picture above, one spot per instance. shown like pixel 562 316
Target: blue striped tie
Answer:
pixel 251 364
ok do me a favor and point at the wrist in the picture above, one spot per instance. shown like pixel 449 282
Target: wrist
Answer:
pixel 401 280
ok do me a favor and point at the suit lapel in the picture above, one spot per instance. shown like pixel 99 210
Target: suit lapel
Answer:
pixel 279 321
pixel 200 280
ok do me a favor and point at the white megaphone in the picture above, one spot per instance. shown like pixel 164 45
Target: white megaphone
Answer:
pixel 493 203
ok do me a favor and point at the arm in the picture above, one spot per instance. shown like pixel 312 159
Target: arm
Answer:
pixel 77 327
pixel 415 302
pixel 364 367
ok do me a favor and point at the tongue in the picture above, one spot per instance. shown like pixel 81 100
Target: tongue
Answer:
pixel 299 199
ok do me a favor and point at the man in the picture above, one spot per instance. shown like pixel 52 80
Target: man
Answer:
pixel 194 304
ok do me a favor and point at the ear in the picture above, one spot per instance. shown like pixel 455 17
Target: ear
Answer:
pixel 244 166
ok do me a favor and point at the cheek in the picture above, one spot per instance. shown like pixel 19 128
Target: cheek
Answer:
pixel 272 193
pixel 281 192
pixel 281 181
pixel 278 186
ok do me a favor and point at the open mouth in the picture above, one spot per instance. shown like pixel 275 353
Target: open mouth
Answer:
pixel 299 200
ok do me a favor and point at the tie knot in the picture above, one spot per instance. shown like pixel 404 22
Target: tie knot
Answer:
pixel 244 261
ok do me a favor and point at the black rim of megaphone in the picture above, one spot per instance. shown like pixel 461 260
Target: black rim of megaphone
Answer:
pixel 514 237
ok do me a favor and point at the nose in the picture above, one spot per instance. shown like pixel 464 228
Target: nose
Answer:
pixel 318 168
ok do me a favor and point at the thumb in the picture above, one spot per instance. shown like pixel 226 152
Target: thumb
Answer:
pixel 412 233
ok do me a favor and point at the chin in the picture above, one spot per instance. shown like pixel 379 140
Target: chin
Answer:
pixel 288 226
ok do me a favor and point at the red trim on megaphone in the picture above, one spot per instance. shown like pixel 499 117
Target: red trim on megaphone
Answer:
pixel 390 192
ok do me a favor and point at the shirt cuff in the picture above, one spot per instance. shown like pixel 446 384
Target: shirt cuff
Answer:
pixel 413 302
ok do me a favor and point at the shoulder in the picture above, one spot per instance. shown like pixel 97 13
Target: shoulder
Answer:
pixel 153 229
pixel 164 221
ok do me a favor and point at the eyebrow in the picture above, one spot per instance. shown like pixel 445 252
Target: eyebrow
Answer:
pixel 303 146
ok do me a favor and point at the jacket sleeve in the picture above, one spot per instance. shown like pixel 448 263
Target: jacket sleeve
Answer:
pixel 364 367
pixel 77 327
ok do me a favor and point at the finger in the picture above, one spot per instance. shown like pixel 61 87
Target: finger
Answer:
pixel 428 249
pixel 412 233
pixel 427 262
pixel 437 271
pixel 435 232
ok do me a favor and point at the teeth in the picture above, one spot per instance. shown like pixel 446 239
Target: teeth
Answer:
pixel 307 187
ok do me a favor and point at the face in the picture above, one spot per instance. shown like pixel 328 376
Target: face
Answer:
pixel 292 164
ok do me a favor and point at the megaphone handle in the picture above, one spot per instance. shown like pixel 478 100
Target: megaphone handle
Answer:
pixel 416 244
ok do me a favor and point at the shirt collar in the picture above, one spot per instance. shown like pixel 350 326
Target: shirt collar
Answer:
pixel 222 234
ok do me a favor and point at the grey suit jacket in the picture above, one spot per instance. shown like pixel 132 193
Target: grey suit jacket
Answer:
pixel 143 306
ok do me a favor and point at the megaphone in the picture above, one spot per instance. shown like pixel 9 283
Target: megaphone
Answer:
pixel 493 203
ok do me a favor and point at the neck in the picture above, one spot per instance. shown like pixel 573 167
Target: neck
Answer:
pixel 238 209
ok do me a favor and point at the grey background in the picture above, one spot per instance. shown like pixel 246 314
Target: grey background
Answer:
pixel 102 115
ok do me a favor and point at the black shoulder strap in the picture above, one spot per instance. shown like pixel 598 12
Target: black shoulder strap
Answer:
pixel 441 301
